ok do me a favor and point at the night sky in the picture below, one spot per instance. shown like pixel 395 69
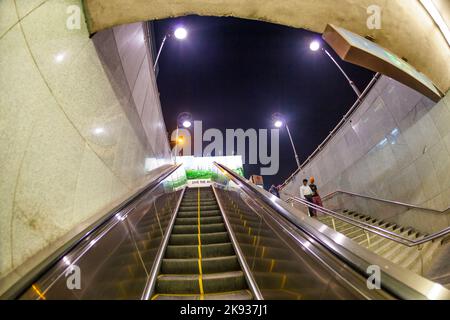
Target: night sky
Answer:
pixel 233 73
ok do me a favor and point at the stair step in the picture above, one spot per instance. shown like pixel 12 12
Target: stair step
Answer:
pixel 212 283
pixel 203 220
pixel 191 266
pixel 208 228
pixel 192 239
pixel 234 295
pixel 203 213
pixel 208 251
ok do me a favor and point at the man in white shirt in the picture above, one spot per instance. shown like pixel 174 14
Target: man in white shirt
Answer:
pixel 306 194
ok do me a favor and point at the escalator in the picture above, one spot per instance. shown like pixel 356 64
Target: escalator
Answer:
pixel 200 262
pixel 228 241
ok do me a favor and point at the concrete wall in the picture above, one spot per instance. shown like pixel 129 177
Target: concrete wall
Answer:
pixel 78 119
pixel 406 26
pixel 396 146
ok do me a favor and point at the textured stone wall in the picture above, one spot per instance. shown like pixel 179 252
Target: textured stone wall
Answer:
pixel 79 119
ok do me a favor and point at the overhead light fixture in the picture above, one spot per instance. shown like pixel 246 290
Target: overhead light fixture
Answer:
pixel 180 33
pixel 315 45
pixel 437 17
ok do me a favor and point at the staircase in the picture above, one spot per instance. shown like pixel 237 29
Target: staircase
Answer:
pixel 416 259
pixel 200 262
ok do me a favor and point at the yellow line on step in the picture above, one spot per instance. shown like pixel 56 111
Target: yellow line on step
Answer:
pixel 200 269
pixel 272 265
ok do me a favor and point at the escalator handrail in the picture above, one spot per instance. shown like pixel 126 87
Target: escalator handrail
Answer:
pixel 25 282
pixel 151 281
pixel 398 203
pixel 405 284
pixel 390 235
pixel 245 267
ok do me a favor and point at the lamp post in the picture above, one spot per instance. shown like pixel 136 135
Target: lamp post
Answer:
pixel 184 119
pixel 315 46
pixel 180 33
pixel 279 121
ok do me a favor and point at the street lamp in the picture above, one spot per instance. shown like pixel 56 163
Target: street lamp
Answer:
pixel 180 33
pixel 184 119
pixel 279 121
pixel 315 46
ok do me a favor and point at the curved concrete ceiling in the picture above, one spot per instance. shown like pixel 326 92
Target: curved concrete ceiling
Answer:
pixel 406 27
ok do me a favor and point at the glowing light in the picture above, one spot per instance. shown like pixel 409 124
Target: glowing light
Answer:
pixel 435 291
pixel 39 293
pixel 180 140
pixel 278 123
pixel 180 33
pixel 59 57
pixel 187 124
pixel 99 130
pixel 315 45
pixel 66 261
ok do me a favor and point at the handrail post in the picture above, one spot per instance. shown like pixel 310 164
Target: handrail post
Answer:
pixel 368 238
pixel 334 224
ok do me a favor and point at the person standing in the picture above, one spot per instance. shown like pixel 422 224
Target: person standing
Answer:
pixel 315 194
pixel 307 194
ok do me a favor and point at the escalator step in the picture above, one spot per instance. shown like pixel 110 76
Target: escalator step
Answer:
pixel 234 295
pixel 203 213
pixel 212 283
pixel 191 266
pixel 209 228
pixel 192 239
pixel 194 221
pixel 202 207
pixel 208 251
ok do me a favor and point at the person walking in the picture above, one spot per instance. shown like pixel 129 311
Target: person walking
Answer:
pixel 307 194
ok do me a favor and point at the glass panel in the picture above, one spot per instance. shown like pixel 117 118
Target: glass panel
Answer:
pixel 282 268
pixel 113 262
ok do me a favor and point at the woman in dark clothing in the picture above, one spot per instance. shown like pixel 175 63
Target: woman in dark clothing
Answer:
pixel 315 194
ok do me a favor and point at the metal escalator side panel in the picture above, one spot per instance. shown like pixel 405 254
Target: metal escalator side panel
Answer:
pixel 112 260
pixel 151 281
pixel 283 267
pixel 396 281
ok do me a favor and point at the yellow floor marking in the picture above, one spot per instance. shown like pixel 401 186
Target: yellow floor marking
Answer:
pixel 39 293
pixel 263 252
pixel 283 282
pixel 200 269
pixel 272 265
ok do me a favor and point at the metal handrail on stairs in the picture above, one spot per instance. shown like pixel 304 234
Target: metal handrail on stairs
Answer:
pixel 371 228
pixel 398 203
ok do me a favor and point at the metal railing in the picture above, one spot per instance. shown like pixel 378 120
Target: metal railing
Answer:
pixel 398 203
pixel 344 120
pixel 80 242
pixel 403 283
pixel 371 228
